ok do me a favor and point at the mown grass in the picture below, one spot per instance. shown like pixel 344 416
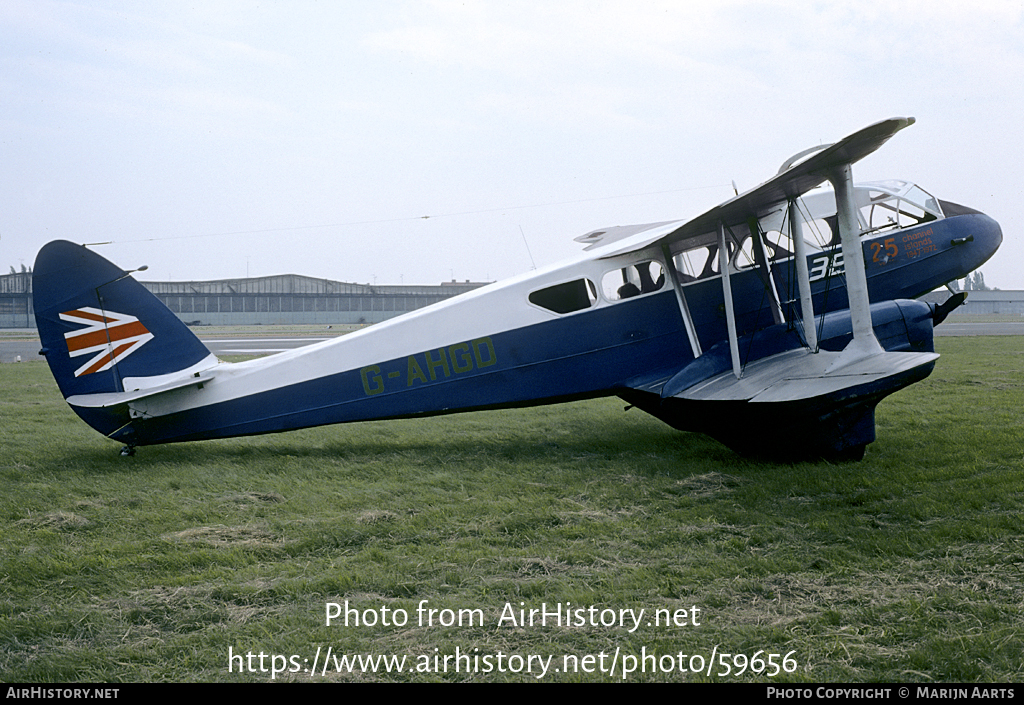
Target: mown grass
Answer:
pixel 904 567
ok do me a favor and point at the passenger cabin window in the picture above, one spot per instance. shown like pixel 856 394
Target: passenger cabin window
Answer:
pixel 696 263
pixel 567 297
pixel 776 247
pixel 821 233
pixel 634 280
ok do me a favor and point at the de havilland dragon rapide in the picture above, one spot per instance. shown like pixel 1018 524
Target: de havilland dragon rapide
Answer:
pixel 774 322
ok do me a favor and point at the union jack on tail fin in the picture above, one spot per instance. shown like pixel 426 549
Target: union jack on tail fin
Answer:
pixel 108 336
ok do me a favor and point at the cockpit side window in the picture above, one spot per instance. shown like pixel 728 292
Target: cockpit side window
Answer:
pixel 881 206
pixel 918 195
pixel 886 211
pixel 567 297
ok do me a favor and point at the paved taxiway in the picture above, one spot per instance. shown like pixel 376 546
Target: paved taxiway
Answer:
pixel 10 350
pixel 952 328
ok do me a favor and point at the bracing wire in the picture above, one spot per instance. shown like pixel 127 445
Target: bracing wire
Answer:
pixel 353 223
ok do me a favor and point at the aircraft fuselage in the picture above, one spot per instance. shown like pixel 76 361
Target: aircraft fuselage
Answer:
pixel 494 347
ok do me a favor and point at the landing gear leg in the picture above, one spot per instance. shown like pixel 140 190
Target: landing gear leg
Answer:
pixel 127 451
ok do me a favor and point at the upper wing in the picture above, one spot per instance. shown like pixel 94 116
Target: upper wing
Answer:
pixel 790 183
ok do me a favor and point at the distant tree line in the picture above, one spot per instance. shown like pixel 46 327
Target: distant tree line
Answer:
pixel 975 281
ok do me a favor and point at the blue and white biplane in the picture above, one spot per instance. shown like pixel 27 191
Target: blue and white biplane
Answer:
pixel 774 322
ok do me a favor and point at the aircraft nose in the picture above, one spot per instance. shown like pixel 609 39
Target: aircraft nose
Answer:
pixel 982 239
pixel 992 235
pixel 974 238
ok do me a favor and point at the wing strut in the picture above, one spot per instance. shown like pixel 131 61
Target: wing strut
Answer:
pixel 730 313
pixel 691 330
pixel 864 342
pixel 803 277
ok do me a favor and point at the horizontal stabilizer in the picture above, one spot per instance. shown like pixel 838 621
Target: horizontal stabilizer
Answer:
pixel 108 399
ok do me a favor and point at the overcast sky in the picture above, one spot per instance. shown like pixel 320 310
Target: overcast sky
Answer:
pixel 215 139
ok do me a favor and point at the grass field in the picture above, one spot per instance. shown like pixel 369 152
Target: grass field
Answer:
pixel 908 566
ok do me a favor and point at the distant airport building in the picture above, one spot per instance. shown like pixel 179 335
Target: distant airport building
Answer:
pixel 283 299
pixel 16 300
pixel 296 299
pixel 993 302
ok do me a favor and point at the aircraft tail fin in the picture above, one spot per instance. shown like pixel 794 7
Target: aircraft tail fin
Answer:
pixel 101 331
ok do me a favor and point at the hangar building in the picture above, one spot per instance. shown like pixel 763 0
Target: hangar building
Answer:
pixel 282 299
